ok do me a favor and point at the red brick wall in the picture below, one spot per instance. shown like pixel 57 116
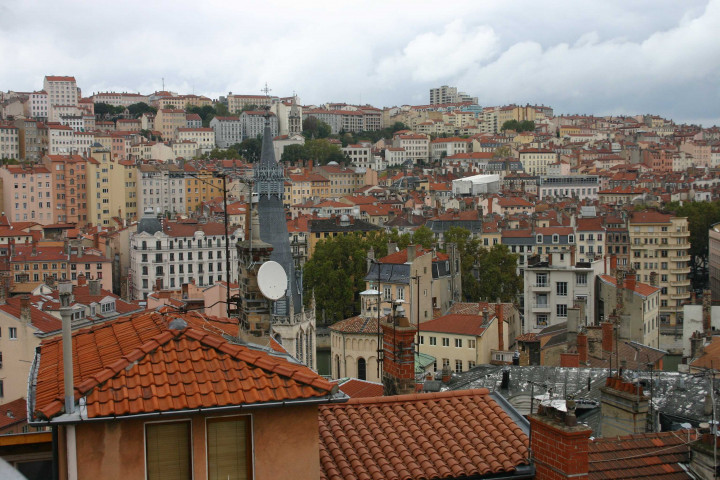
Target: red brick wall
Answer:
pixel 569 360
pixel 559 452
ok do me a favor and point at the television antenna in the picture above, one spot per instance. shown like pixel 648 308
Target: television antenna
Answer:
pixel 272 280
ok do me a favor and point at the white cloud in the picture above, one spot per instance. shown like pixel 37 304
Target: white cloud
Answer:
pixel 576 55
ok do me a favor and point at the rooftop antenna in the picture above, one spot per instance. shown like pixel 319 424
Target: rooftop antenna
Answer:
pixel 272 280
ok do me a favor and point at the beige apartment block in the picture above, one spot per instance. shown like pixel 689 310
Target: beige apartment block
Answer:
pixel 660 256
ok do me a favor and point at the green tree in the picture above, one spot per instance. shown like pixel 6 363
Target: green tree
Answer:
pixel 221 110
pixel 496 269
pixel 206 113
pixel 336 274
pixel 137 109
pixel 249 108
pixel 293 154
pixel 250 149
pixel 401 240
pixel 312 127
pixel 701 216
pixel 423 236
pixel 321 152
pixel 105 109
pixel 524 126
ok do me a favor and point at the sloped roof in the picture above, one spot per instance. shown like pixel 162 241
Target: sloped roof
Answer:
pixel 456 324
pixel 436 435
pixel 117 362
pixel 649 455
pixel 356 388
pixel 13 412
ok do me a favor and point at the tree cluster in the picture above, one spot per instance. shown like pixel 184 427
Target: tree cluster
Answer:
pixel 336 272
pixel 249 149
pixel 524 126
pixel 319 150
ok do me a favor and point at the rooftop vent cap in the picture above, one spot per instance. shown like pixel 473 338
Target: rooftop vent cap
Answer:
pixel 177 324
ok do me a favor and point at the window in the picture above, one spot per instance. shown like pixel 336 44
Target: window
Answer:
pixel 446 362
pixel 168 450
pixel 561 289
pixel 433 340
pixel 422 340
pixel 541 320
pixel 541 279
pixel 445 342
pixel 387 292
pixel 458 342
pixel 471 343
pixel 400 293
pixel 581 278
pixel 471 364
pixel 458 366
pixel 561 310
pixel 13 333
pixel 228 448
pixel 361 369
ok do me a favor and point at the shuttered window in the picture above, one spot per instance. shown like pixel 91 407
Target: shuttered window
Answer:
pixel 168 451
pixel 229 448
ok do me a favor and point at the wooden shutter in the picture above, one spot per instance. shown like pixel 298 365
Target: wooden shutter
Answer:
pixel 229 448
pixel 168 451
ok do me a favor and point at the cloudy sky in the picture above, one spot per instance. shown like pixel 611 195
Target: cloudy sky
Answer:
pixel 579 56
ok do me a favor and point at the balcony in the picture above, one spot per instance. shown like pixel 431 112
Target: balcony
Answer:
pixel 541 286
pixel 681 258
pixel 680 296
pixel 684 270
pixel 680 283
pixel 541 306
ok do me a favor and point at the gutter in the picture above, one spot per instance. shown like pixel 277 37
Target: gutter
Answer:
pixel 76 418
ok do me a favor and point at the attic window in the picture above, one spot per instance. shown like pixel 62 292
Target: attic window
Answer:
pixel 556 238
pixel 539 238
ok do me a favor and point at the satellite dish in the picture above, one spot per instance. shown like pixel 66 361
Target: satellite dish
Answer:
pixel 272 280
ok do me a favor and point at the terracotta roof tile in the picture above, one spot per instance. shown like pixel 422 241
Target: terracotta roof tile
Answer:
pixel 438 435
pixel 356 388
pixel 136 365
pixel 13 412
pixel 650 455
pixel 455 323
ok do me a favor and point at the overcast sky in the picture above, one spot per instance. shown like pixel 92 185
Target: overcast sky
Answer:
pixel 600 56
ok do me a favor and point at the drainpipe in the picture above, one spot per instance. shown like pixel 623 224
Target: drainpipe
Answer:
pixel 65 294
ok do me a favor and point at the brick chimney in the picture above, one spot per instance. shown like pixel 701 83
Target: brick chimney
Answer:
pixel 568 359
pixel 560 446
pixel 3 290
pixel 624 408
pixel 707 313
pixel 25 309
pixel 607 336
pixel 501 326
pixel 582 348
pixel 398 354
pixel 81 279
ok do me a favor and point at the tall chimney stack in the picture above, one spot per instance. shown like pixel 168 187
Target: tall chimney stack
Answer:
pixel 65 293
pixel 25 309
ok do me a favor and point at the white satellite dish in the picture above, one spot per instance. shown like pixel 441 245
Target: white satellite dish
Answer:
pixel 272 280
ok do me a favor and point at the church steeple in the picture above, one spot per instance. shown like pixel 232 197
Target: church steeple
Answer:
pixel 294 118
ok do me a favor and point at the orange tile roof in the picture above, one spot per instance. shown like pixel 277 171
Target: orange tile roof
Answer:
pixel 44 322
pixel 438 435
pixel 115 363
pixel 13 412
pixel 455 323
pixel 356 388
pixel 642 289
pixel 648 455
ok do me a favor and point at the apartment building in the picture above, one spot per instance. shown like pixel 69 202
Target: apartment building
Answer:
pixel 171 254
pixel 61 139
pixel 61 91
pixel 339 120
pixel 590 237
pixel 204 138
pixel 69 188
pixel 343 180
pixel 361 155
pixel 128 172
pixel 39 105
pixel 638 316
pixel 9 141
pixel 237 102
pixel 228 131
pixel 714 260
pixel 161 189
pixel 659 245
pixel 31 141
pixel 446 147
pixel 416 147
pixel 582 187
pixel 535 161
pixel 27 193
pixel 552 286
pixel 168 120
pixel 100 210
pixel 117 99
pixel 253 123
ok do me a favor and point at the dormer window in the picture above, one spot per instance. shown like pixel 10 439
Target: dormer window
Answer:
pixel 571 238
pixel 556 238
pixel 539 238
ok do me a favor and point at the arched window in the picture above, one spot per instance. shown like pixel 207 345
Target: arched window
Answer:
pixel 361 370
